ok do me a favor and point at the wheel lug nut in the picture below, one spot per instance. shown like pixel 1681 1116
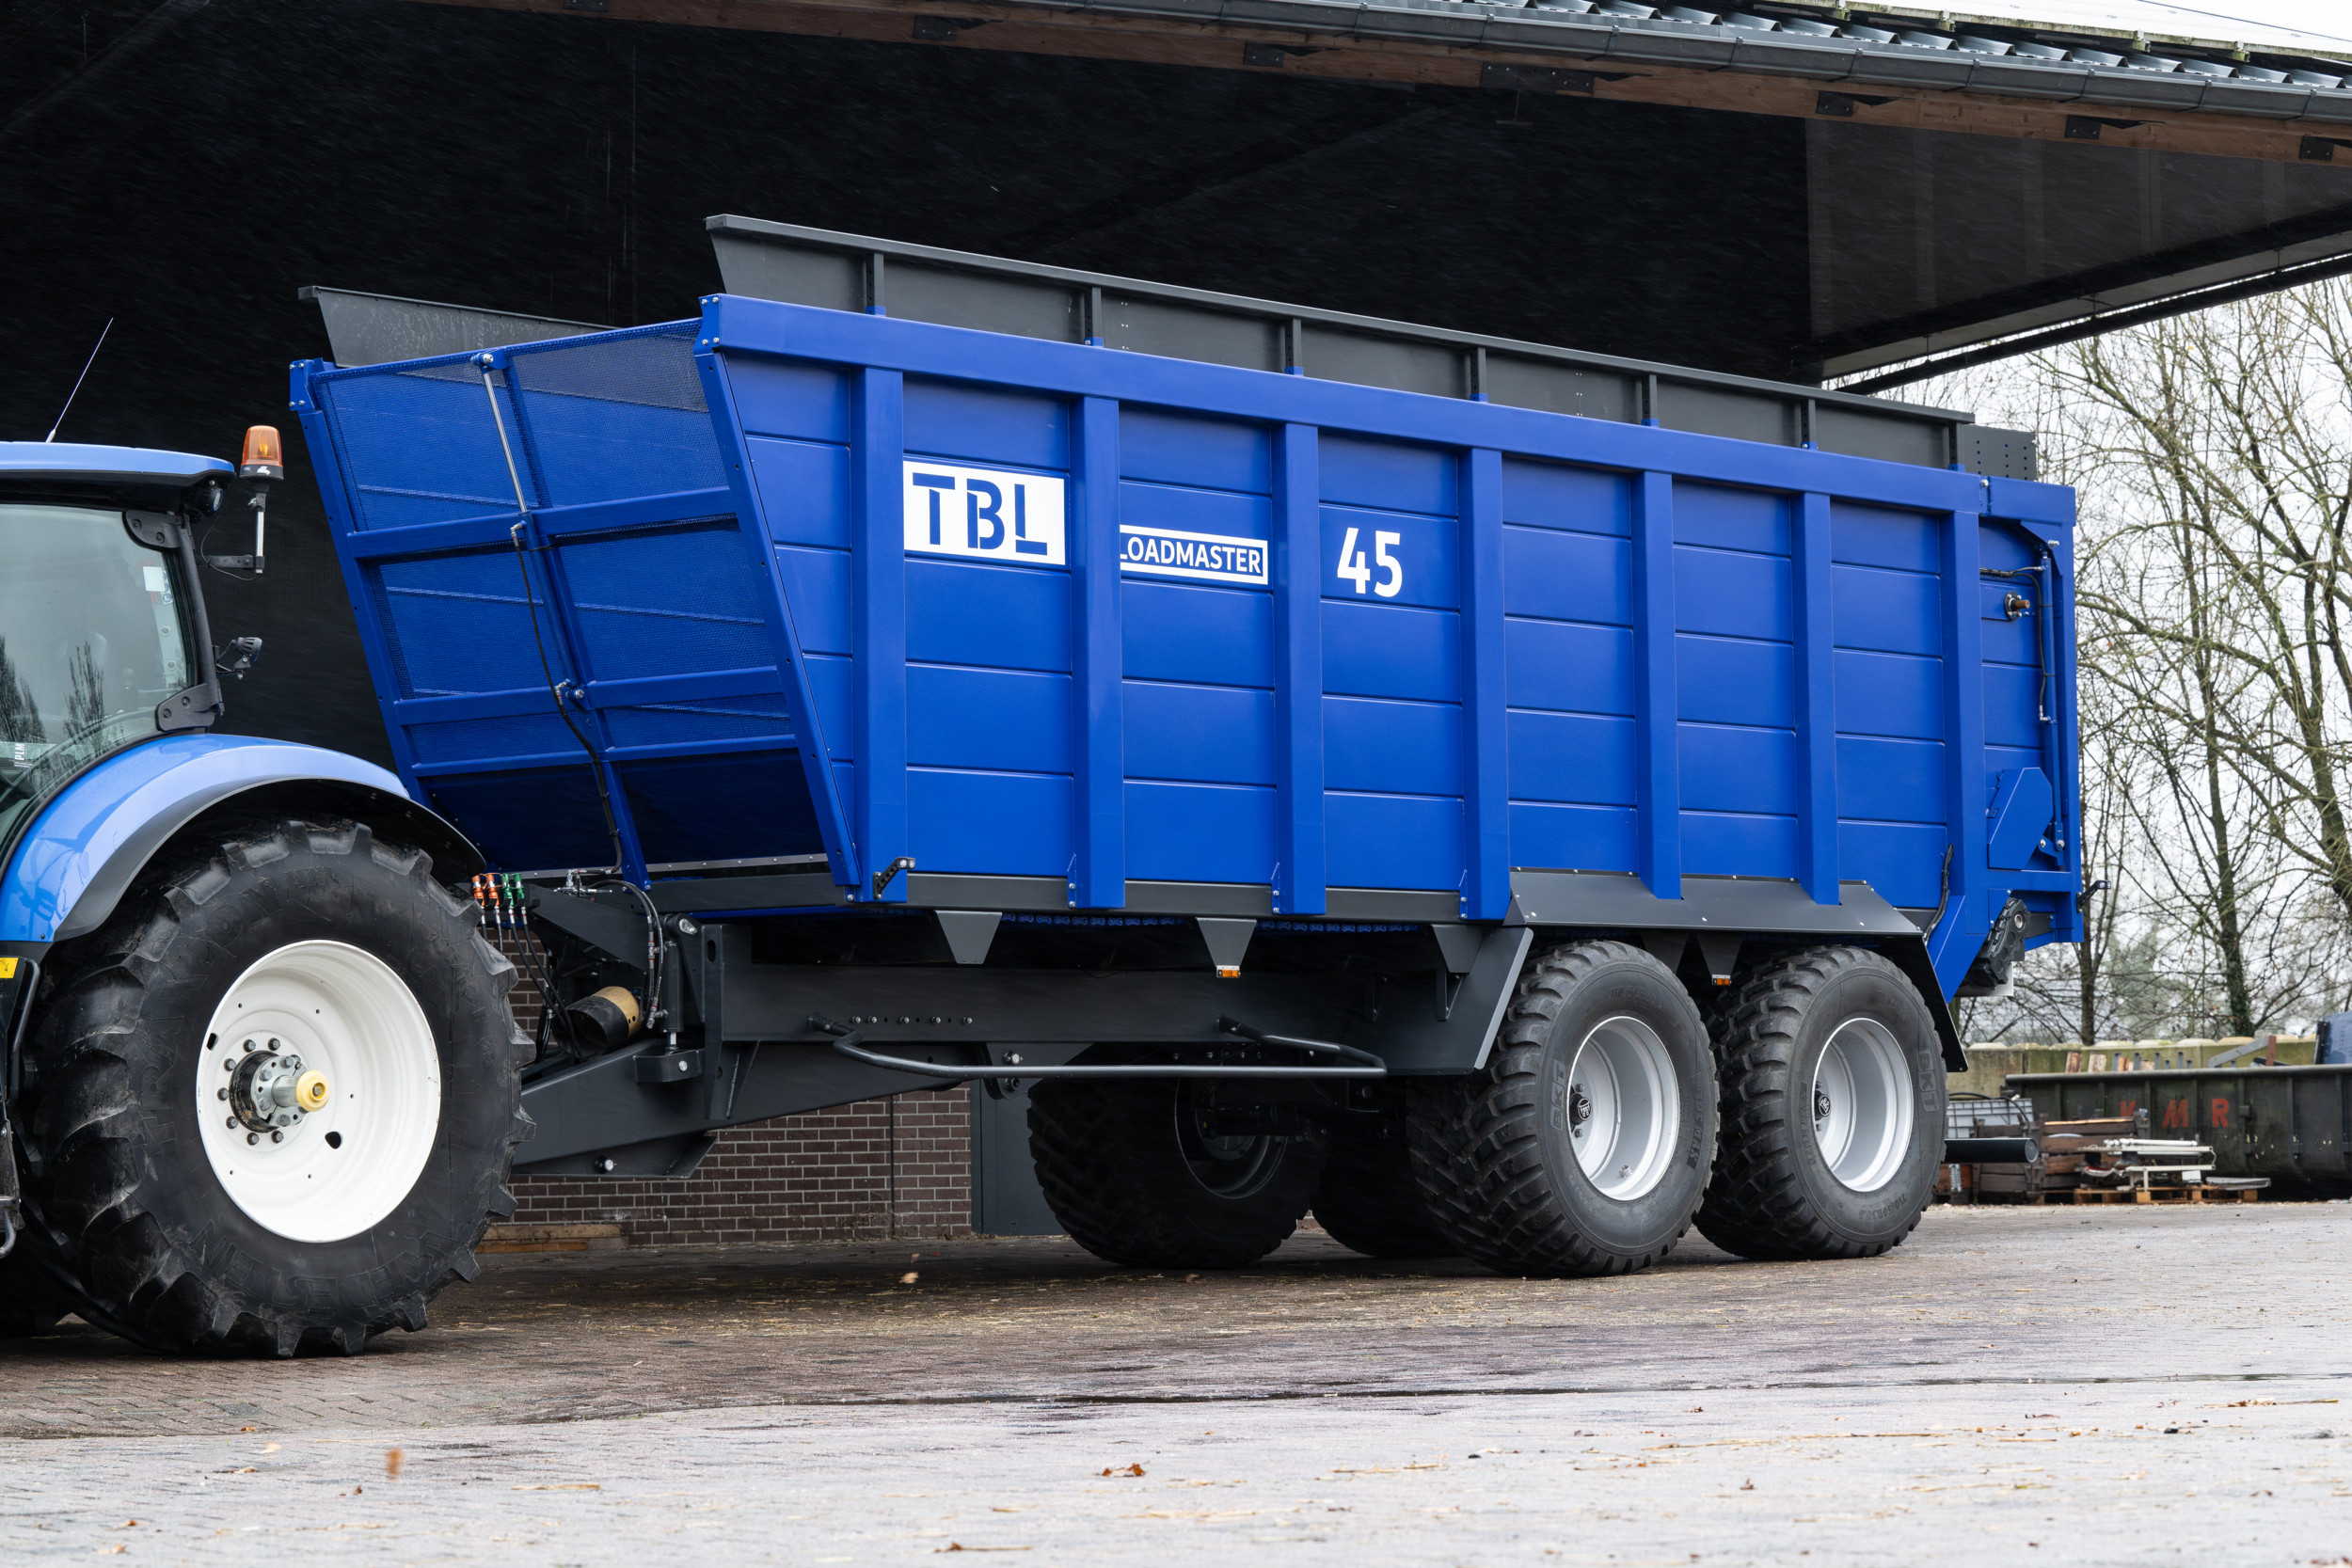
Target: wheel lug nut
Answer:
pixel 221 1094
pixel 253 1137
pixel 278 1137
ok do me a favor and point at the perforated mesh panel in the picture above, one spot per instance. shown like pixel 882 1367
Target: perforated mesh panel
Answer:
pixel 458 622
pixel 721 808
pixel 419 447
pixel 707 719
pixel 607 418
pixel 519 736
pixel 655 367
pixel 529 821
pixel 684 599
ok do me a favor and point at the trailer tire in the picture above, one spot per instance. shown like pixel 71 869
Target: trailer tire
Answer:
pixel 1368 1199
pixel 1600 1035
pixel 1132 1182
pixel 172 1241
pixel 1852 1179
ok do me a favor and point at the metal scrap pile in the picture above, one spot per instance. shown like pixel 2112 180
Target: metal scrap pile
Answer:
pixel 2001 1151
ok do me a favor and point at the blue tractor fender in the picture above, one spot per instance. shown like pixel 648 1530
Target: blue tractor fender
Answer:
pixel 89 845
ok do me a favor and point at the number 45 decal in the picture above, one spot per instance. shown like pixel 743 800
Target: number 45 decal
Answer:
pixel 1354 569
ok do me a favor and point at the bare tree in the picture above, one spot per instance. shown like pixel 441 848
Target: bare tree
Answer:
pixel 2213 456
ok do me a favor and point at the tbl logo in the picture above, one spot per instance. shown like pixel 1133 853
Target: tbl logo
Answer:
pixel 984 514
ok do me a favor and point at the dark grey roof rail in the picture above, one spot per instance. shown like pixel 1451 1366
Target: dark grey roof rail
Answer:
pixel 376 329
pixel 953 287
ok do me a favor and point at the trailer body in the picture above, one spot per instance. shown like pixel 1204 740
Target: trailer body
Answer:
pixel 861 617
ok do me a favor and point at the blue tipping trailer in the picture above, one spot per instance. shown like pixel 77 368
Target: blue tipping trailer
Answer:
pixel 839 684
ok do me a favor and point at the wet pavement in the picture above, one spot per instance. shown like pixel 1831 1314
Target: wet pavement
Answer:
pixel 2079 1385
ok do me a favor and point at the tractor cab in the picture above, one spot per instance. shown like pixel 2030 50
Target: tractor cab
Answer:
pixel 104 641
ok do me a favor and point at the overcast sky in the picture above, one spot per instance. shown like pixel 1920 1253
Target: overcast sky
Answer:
pixel 2327 18
pixel 2227 20
pixel 2319 26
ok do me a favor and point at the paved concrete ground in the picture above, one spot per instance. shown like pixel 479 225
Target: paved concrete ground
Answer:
pixel 2013 1385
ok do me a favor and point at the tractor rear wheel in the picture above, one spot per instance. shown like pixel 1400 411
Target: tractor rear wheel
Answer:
pixel 273 1103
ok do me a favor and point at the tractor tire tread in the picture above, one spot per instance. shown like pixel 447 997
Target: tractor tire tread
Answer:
pixel 86 1211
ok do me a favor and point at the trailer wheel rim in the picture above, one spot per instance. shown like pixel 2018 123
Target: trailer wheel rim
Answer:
pixel 1862 1114
pixel 1225 1165
pixel 342 1168
pixel 1624 1106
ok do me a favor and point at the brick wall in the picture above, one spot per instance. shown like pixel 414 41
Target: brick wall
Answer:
pixel 880 1168
pixel 875 1169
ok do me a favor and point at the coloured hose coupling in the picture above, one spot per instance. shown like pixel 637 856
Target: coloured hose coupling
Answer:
pixel 311 1090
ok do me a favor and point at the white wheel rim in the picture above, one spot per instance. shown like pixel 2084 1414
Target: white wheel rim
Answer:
pixel 1862 1104
pixel 1623 1107
pixel 345 1165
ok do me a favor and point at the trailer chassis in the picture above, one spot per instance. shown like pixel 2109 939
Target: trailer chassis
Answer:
pixel 750 1041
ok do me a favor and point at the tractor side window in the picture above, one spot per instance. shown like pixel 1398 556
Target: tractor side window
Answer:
pixel 91 639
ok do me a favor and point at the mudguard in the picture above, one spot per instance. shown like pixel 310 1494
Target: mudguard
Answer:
pixel 87 847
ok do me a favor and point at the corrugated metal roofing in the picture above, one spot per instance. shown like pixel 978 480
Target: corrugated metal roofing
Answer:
pixel 2318 25
pixel 2047 39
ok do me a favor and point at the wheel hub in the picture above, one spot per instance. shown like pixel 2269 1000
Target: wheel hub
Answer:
pixel 1623 1107
pixel 270 1089
pixel 1862 1104
pixel 319 1088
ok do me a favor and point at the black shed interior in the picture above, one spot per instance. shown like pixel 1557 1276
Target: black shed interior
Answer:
pixel 185 168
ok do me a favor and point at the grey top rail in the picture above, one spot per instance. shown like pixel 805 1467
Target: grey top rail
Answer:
pixel 859 273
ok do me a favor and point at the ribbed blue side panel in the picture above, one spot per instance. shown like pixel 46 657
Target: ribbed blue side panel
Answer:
pixel 820 580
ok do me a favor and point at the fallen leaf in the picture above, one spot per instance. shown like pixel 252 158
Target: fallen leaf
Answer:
pixel 109 1551
pixel 1130 1470
pixel 128 1524
pixel 1695 1410
pixel 1747 1486
pixel 248 1428
pixel 271 1448
pixel 391 1464
pixel 908 1278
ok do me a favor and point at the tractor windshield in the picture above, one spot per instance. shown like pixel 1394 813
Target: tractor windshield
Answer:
pixel 91 640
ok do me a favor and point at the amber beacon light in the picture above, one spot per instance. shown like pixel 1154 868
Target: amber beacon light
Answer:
pixel 264 457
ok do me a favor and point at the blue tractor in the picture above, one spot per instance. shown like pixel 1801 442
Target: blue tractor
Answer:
pixel 262 1076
